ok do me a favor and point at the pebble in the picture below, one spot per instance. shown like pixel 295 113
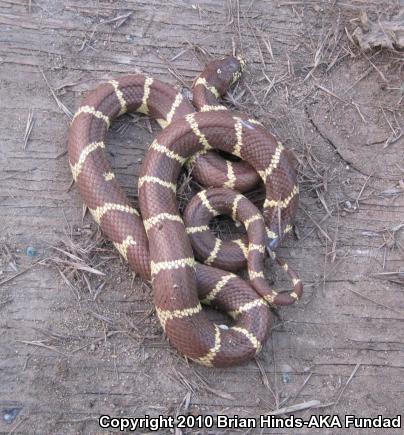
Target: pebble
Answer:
pixel 286 378
pixel 31 251
pixel 9 415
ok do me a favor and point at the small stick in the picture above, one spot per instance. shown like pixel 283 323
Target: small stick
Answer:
pixel 347 383
pixel 303 385
pixel 318 226
pixel 28 128
pixel 360 113
pixel 361 191
pixel 334 243
pixel 264 376
pixel 268 46
pixel 22 272
pixel 61 106
pixel 39 344
pixel 377 303
pixel 70 285
pixel 120 17
pixel 387 273
pixel 331 93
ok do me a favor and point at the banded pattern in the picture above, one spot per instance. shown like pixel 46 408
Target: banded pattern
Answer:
pixel 224 254
pixel 100 211
pixel 157 267
pixel 253 339
pixel 178 280
pixel 201 137
pixel 199 229
pixel 77 167
pixel 239 136
pixel 284 202
pixel 124 246
pixel 119 95
pixel 174 107
pixel 274 163
pixel 208 168
pixel 202 81
pixel 209 107
pixel 211 296
pixel 164 150
pixel 92 111
pixel 144 108
pixel 208 359
pixel 156 219
pixel 165 315
pixel 247 307
pixel 230 175
pixel 150 179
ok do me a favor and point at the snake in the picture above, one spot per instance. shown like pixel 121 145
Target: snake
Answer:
pixel 157 243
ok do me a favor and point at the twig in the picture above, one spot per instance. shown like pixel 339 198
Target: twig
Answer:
pixel 264 376
pixel 123 18
pixel 220 393
pixel 61 106
pixel 22 272
pixel 347 383
pixel 302 386
pixel 28 128
pixel 361 191
pixel 376 303
pixel 39 344
pixel 331 93
pixel 70 285
pixel 387 274
pixel 318 226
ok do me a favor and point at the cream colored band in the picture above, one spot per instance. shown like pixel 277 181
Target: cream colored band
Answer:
pixel 200 229
pixel 254 341
pixel 99 212
pixel 218 287
pixel 124 246
pixel 154 220
pixel 92 111
pixel 120 97
pixel 215 251
pixel 282 203
pixel 144 108
pixel 164 150
pixel 207 359
pixel 156 180
pixel 202 81
pixel 190 118
pixel 77 167
pixel 165 315
pixel 159 266
pixel 273 164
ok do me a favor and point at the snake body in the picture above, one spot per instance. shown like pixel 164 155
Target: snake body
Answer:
pixel 156 243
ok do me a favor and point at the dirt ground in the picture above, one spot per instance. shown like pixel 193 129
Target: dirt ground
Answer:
pixel 78 335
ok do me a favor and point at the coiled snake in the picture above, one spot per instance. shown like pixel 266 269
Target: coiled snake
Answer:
pixel 157 244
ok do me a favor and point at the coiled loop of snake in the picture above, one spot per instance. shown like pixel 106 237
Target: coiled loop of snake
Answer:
pixel 147 241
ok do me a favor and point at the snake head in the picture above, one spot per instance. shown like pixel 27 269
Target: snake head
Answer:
pixel 224 72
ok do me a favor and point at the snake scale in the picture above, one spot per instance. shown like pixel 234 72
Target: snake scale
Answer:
pixel 157 243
